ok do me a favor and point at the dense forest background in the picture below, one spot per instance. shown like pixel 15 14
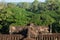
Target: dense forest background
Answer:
pixel 40 13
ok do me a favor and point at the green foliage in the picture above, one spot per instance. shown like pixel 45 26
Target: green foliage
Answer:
pixel 0 26
pixel 24 5
pixel 46 19
pixel 40 13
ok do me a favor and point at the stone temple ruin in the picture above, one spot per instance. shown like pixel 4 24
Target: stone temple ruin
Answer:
pixel 29 31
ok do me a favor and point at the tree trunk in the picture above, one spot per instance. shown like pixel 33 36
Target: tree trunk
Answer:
pixel 50 28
